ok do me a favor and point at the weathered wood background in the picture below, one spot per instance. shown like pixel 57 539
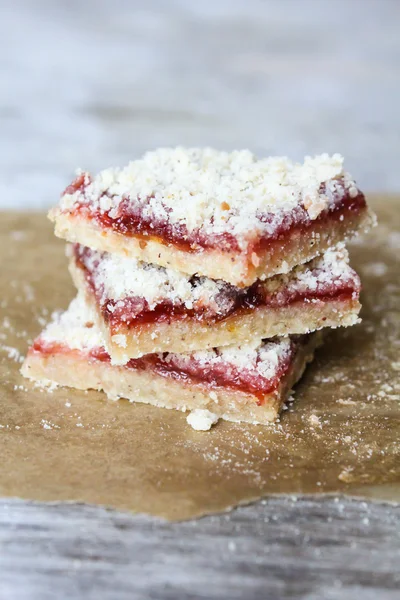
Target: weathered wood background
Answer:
pixel 279 548
pixel 95 83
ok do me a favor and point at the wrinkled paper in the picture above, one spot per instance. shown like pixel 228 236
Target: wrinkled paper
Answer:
pixel 339 435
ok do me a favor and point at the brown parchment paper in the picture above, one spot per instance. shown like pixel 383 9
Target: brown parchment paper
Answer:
pixel 340 435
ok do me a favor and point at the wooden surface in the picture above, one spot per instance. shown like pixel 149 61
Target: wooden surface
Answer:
pixel 282 548
pixel 95 83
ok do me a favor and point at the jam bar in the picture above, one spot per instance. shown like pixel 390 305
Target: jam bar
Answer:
pixel 228 216
pixel 142 308
pixel 238 383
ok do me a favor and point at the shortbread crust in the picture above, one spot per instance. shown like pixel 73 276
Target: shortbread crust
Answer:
pixel 246 383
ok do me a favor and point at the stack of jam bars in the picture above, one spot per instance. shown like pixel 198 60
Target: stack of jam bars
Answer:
pixel 205 280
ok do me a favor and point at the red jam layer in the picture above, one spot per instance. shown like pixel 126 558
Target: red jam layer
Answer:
pixel 132 220
pixel 135 311
pixel 214 376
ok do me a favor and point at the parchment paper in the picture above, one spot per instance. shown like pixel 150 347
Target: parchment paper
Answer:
pixel 339 435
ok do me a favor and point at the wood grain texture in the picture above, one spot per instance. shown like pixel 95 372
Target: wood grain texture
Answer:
pixel 95 83
pixel 281 548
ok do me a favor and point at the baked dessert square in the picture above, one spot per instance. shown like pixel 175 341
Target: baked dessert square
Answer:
pixel 228 216
pixel 142 308
pixel 246 383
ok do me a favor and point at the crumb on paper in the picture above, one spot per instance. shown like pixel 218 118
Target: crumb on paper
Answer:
pixel 346 476
pixel 48 425
pixel 12 353
pixel 289 401
pixel 20 387
pixel 201 419
pixel 314 420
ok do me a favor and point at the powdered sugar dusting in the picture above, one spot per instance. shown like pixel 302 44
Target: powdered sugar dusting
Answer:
pixel 263 358
pixel 215 191
pixel 118 278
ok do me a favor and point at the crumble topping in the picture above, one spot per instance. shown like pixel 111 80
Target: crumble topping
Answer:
pixel 330 269
pixel 117 279
pixel 74 327
pixel 214 192
pixel 263 358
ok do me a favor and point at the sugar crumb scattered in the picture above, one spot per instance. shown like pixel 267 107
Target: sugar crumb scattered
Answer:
pixel 314 420
pixel 12 353
pixel 201 419
pixel 48 425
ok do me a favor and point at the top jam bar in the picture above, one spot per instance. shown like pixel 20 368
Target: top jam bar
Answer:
pixel 228 216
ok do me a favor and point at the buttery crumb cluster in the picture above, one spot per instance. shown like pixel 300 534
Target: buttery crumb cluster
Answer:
pixel 204 280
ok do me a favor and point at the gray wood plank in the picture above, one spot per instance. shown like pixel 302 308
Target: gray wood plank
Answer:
pixel 331 548
pixel 95 83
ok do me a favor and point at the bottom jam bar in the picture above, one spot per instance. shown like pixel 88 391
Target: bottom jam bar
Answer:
pixel 246 383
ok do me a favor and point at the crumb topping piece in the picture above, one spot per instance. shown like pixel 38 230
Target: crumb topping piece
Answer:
pixel 201 419
pixel 202 189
